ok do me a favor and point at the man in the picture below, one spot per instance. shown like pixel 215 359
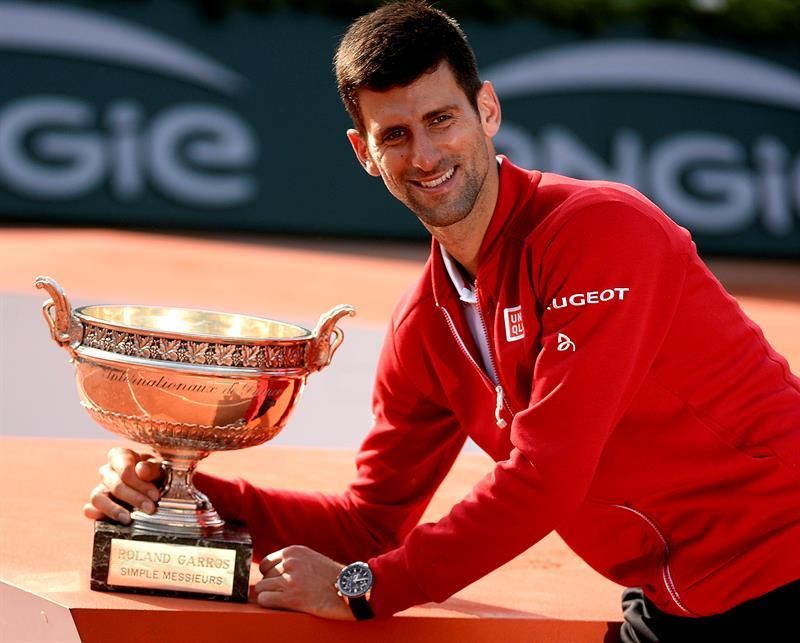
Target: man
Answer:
pixel 570 329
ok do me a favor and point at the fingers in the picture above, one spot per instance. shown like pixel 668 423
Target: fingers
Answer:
pixel 270 589
pixel 149 471
pixel 114 483
pixel 274 572
pixel 128 465
pixel 126 478
pixel 269 562
pixel 277 584
pixel 102 506
pixel 276 600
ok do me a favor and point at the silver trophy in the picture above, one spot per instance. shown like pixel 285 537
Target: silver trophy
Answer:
pixel 186 383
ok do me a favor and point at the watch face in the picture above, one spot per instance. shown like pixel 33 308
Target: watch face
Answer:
pixel 355 580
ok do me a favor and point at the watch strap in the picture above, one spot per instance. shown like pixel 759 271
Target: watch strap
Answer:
pixel 361 608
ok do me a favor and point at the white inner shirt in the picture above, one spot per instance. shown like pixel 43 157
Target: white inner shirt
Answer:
pixel 469 304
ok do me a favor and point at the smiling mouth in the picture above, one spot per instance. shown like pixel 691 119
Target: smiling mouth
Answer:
pixel 435 183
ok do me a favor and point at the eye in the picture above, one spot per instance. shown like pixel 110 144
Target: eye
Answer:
pixel 441 119
pixel 392 136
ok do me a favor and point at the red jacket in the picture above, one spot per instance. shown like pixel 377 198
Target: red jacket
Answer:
pixel 648 420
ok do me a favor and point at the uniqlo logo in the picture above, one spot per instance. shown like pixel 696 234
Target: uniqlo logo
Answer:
pixel 514 328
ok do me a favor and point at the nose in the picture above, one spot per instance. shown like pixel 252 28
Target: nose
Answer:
pixel 425 154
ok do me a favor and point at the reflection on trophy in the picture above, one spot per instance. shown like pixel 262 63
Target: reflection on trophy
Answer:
pixel 186 382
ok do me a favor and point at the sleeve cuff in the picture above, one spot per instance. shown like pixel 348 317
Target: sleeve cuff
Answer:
pixel 394 588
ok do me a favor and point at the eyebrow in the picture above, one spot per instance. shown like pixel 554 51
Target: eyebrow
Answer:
pixel 382 132
pixel 435 112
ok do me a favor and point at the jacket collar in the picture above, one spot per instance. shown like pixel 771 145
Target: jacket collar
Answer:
pixel 516 186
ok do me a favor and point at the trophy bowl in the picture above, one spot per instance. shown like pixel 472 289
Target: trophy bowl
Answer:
pixel 187 382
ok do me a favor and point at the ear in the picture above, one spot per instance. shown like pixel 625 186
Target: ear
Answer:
pixel 489 109
pixel 362 152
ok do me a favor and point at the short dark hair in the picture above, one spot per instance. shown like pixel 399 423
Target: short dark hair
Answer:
pixel 397 43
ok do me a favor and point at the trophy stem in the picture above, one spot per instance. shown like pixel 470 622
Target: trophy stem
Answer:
pixel 182 508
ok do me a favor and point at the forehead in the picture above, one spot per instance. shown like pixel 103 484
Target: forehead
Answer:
pixel 412 102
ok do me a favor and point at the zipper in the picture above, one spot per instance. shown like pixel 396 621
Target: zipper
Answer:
pixel 500 399
pixel 666 574
pixel 498 408
pixel 499 388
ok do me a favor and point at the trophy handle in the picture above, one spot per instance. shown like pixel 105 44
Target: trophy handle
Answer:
pixel 65 329
pixel 327 338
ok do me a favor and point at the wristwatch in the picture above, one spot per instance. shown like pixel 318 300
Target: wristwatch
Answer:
pixel 354 585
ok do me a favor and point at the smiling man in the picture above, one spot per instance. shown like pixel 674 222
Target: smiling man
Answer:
pixel 429 144
pixel 570 329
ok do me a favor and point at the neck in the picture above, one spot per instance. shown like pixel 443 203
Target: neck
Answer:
pixel 462 240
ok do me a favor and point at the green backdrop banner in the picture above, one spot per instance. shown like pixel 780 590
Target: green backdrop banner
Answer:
pixel 145 114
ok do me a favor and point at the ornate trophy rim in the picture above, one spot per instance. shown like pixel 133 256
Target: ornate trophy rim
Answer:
pixel 82 312
pixel 125 346
pixel 111 359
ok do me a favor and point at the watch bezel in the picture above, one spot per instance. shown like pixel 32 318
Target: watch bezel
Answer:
pixel 345 571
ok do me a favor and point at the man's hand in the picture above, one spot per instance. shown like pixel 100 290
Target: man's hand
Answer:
pixel 128 477
pixel 298 578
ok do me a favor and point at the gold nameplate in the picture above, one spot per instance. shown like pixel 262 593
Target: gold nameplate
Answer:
pixel 183 568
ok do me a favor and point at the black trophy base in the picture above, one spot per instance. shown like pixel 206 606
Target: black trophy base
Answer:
pixel 214 567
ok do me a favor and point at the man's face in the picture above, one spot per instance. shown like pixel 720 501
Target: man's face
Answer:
pixel 427 143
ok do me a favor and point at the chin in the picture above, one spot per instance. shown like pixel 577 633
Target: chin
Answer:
pixel 440 220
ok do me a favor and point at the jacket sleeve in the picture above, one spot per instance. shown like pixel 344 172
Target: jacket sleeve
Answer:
pixel 580 392
pixel 412 445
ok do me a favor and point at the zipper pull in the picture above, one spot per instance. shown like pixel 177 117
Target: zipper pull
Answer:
pixel 498 410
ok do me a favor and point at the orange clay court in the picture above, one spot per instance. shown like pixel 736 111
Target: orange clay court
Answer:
pixel 547 594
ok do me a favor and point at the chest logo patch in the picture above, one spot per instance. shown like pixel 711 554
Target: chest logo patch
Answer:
pixel 514 327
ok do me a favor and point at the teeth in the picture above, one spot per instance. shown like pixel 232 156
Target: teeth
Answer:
pixel 439 181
